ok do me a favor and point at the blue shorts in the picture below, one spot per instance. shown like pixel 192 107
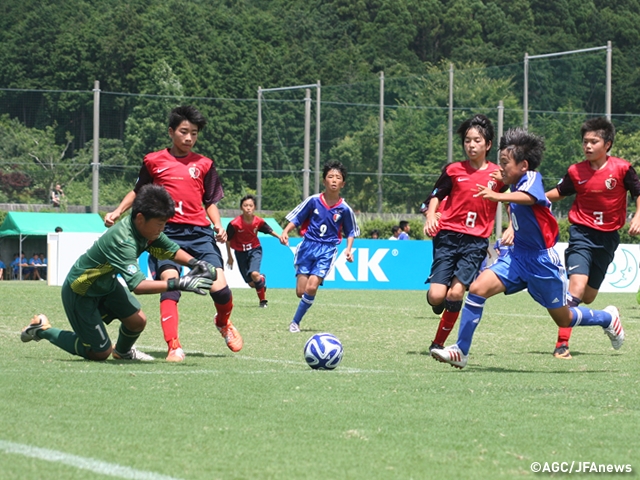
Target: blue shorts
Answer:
pixel 199 242
pixel 314 258
pixel 541 273
pixel 590 252
pixel 456 255
pixel 249 261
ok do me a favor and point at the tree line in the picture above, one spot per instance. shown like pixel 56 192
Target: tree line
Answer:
pixel 152 55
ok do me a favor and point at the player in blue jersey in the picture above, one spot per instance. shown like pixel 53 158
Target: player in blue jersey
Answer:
pixel 532 263
pixel 322 219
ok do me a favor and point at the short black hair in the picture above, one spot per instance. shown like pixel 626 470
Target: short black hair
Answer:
pixel 58 229
pixel 153 201
pixel 479 122
pixel 402 224
pixel 248 197
pixel 334 165
pixel 522 146
pixel 602 127
pixel 395 228
pixel 189 113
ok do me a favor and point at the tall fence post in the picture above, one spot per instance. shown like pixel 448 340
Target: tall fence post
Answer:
pixel 317 175
pixel 450 139
pixel 307 135
pixel 495 145
pixel 380 142
pixel 96 147
pixel 259 161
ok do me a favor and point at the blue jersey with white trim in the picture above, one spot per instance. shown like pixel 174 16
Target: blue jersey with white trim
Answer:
pixel 323 223
pixel 535 227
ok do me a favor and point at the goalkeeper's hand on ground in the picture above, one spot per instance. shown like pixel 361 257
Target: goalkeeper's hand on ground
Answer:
pixel 202 268
pixel 190 283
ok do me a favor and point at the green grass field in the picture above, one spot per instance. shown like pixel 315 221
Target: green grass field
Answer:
pixel 388 411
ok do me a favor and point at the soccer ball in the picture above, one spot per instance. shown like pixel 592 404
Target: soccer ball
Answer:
pixel 323 351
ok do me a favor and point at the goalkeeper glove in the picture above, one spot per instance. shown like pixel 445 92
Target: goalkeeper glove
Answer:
pixel 190 283
pixel 202 268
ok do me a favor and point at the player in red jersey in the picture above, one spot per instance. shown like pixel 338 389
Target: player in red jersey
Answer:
pixel 192 181
pixel 600 184
pixel 242 237
pixel 461 232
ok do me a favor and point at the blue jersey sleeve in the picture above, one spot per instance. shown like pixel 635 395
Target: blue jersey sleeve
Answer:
pixel 302 212
pixel 350 225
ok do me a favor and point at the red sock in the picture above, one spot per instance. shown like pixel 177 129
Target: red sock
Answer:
pixel 223 313
pixel 169 320
pixel 447 322
pixel 261 293
pixel 564 334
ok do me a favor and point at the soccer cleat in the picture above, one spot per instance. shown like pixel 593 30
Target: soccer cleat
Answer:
pixel 451 355
pixel 264 303
pixel 435 345
pixel 38 323
pixel 176 355
pixel 294 327
pixel 133 354
pixel 562 352
pixel 614 331
pixel 231 336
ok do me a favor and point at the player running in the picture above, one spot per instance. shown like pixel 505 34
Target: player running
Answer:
pixel 461 225
pixel 533 263
pixel 322 220
pixel 600 184
pixel 242 238
pixel 192 181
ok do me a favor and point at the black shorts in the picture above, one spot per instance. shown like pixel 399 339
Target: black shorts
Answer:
pixel 590 252
pixel 199 242
pixel 456 255
pixel 249 261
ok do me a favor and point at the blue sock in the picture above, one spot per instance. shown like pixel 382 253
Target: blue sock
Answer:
pixel 586 317
pixel 469 319
pixel 305 303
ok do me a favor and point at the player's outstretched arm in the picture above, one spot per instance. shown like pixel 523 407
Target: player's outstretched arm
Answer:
pixel 553 195
pixel 112 217
pixel 189 283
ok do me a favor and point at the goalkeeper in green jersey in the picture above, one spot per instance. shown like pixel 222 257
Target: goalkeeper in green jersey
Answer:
pixel 93 295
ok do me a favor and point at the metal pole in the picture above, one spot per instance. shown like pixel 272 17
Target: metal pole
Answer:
pixel 525 106
pixel 259 166
pixel 608 97
pixel 555 54
pixel 96 146
pixel 317 175
pixel 450 144
pixel 307 134
pixel 496 145
pixel 380 142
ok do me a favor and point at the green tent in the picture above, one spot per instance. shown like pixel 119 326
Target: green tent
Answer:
pixel 36 225
pixel 32 223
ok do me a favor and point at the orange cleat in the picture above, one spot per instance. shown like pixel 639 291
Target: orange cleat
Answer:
pixel 176 355
pixel 231 336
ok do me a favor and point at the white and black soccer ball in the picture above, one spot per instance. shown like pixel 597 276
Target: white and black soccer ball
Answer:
pixel 323 351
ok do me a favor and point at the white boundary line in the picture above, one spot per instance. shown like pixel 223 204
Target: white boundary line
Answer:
pixel 91 464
